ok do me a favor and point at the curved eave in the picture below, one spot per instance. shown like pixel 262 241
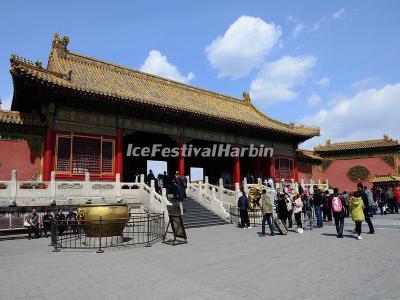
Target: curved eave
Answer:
pixel 20 69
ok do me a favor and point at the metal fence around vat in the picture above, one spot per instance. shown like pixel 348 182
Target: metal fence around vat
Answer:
pixel 255 216
pixel 141 229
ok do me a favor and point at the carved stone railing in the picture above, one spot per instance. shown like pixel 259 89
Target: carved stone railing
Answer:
pixel 70 193
pixel 206 196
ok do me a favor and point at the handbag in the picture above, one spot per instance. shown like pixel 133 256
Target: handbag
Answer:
pixel 26 224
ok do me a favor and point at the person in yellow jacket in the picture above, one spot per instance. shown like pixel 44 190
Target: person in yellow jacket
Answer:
pixel 357 213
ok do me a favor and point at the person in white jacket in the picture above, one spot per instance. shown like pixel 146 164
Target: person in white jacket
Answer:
pixel 297 208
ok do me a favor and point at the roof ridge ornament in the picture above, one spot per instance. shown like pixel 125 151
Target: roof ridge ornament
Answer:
pixel 246 97
pixel 60 43
pixel 328 142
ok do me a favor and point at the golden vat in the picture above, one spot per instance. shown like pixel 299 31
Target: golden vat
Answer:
pixel 254 196
pixel 103 219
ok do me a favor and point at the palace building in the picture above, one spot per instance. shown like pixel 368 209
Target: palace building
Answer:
pixel 346 164
pixel 79 114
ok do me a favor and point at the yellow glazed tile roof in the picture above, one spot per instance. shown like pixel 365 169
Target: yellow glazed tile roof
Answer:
pixel 385 178
pixel 98 78
pixel 20 118
pixel 356 145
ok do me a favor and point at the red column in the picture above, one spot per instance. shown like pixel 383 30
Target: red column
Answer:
pixel 236 169
pixel 119 153
pixel 181 158
pixel 271 167
pixel 296 171
pixel 48 154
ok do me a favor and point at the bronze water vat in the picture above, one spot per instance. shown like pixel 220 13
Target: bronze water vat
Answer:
pixel 103 219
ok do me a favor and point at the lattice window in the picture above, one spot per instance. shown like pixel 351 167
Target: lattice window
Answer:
pixel 79 154
pixel 63 154
pixel 284 168
pixel 107 155
pixel 86 156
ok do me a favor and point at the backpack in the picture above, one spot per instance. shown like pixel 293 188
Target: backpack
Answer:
pixel 337 206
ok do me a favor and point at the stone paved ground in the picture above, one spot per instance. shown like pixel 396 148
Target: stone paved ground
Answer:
pixel 221 262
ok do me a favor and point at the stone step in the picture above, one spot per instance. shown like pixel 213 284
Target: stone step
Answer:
pixel 196 215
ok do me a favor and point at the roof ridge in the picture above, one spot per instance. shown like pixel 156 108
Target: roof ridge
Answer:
pixel 152 76
pixel 357 142
pixel 15 59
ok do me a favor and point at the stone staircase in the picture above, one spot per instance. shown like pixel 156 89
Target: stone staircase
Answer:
pixel 195 215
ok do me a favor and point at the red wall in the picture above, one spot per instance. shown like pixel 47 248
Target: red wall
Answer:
pixel 303 170
pixel 337 171
pixel 17 155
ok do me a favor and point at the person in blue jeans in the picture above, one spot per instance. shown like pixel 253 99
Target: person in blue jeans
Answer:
pixel 317 199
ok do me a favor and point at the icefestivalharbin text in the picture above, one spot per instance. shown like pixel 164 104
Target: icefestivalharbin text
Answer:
pixel 216 150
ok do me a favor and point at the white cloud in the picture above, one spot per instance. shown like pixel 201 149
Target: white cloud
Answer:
pixel 324 81
pixel 276 80
pixel 366 83
pixel 302 27
pixel 243 46
pixel 313 100
pixel 369 114
pixel 156 63
pixel 338 14
pixel 298 29
pixel 292 19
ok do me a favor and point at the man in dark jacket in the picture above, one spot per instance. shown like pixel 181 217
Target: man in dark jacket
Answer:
pixel 317 200
pixel 366 208
pixel 34 224
pixel 243 204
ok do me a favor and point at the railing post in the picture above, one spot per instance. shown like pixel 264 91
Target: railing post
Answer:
pixel 53 185
pixel 141 178
pixel 117 185
pixel 220 189
pixel 13 184
pixel 245 186
pixel 199 190
pixel 213 199
pixel 87 185
pixel 237 192
pixel 100 250
pixel 327 184
pixel 259 181
pixel 302 182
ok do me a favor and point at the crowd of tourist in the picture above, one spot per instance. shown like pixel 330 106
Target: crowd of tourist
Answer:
pixel 326 205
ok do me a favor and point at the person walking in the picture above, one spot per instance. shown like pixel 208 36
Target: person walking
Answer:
pixel 397 200
pixel 297 208
pixel 371 202
pixel 383 201
pixel 327 207
pixel 364 197
pixel 318 205
pixel 267 210
pixel 47 219
pixel 289 207
pixel 357 212
pixel 338 211
pixel 282 208
pixel 345 197
pixel 243 204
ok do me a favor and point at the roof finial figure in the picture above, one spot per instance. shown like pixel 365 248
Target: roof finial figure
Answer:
pixel 60 43
pixel 246 97
pixel 328 142
pixel 386 137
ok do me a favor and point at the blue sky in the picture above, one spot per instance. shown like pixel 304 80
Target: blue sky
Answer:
pixel 332 64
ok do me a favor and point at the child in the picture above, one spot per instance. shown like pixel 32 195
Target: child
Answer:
pixel 357 214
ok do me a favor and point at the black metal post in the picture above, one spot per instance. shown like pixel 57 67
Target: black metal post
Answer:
pixel 100 250
pixel 148 230
pixel 54 235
